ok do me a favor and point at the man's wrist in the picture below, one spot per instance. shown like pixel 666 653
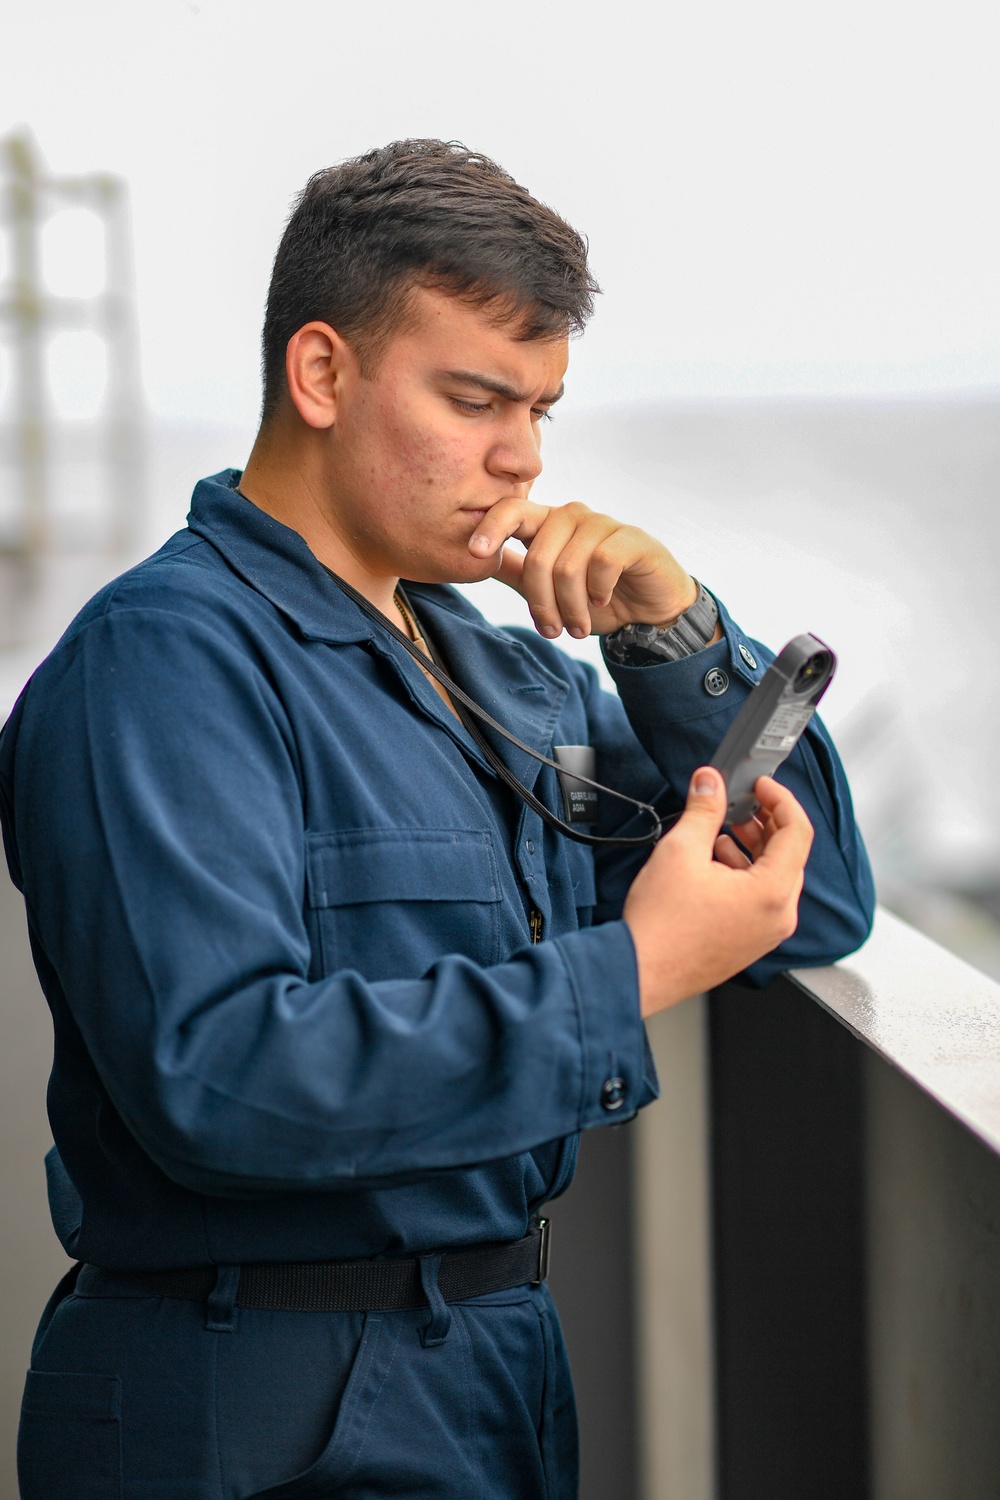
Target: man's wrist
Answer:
pixel 638 645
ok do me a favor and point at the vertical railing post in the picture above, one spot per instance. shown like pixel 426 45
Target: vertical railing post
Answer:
pixel 788 1147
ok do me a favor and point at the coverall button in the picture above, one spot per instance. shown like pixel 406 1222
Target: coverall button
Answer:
pixel 613 1093
pixel 716 681
pixel 748 657
pixel 530 846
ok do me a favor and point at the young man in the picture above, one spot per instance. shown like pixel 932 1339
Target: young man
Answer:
pixel 331 1000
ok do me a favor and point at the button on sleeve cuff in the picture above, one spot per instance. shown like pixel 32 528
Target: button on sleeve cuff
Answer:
pixel 618 1074
pixel 712 681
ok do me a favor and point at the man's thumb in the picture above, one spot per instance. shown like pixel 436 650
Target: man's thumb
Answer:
pixel 706 801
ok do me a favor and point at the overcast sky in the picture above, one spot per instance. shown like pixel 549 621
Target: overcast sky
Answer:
pixel 779 196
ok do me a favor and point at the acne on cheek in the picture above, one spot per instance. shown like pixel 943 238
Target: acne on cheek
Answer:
pixel 412 458
pixel 434 464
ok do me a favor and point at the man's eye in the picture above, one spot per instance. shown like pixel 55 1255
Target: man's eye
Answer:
pixel 541 414
pixel 473 406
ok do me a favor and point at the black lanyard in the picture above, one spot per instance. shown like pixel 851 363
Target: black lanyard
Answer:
pixel 466 707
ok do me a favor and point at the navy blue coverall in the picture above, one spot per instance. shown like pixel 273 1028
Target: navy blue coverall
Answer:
pixel 279 905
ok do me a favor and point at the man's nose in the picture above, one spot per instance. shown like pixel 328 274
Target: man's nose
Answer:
pixel 518 453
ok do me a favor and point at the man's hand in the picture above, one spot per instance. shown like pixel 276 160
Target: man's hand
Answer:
pixel 582 571
pixel 699 910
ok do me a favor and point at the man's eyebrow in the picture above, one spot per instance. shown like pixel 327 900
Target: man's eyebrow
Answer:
pixel 500 387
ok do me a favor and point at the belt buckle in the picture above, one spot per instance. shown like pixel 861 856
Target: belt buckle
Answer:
pixel 544 1229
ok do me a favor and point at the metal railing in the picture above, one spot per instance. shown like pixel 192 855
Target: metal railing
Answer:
pixel 817 1211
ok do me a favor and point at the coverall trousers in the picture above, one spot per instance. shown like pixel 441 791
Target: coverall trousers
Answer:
pixel 133 1396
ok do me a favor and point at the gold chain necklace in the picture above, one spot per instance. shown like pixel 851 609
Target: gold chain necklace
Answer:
pixel 414 633
pixel 410 622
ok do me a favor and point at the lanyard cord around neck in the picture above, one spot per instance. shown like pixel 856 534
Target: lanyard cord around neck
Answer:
pixel 466 707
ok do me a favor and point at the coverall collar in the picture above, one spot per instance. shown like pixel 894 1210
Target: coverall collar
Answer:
pixel 274 560
pixel 490 664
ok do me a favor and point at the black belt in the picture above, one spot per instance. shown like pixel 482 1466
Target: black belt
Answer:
pixel 349 1285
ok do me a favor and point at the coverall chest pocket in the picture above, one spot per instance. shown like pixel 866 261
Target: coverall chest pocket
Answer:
pixel 391 901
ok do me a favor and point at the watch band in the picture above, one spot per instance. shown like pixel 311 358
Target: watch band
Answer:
pixel 647 645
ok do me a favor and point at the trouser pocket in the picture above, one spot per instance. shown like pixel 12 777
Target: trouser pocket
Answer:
pixel 69 1445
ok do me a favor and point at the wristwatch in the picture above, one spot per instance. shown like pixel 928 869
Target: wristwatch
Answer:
pixel 648 645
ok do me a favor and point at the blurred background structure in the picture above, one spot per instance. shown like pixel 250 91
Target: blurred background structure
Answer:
pixel 72 486
pixel 793 376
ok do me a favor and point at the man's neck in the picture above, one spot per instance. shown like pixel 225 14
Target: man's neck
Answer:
pixel 287 483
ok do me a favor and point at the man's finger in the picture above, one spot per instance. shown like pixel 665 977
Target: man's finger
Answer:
pixel 587 542
pixel 704 811
pixel 728 853
pixel 787 846
pixel 538 579
pixel 511 569
pixel 605 568
pixel 752 835
pixel 516 516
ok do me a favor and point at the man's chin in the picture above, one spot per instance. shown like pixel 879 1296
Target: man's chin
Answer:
pixel 467 569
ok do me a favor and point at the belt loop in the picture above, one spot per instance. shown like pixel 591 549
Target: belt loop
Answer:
pixel 438 1325
pixel 221 1307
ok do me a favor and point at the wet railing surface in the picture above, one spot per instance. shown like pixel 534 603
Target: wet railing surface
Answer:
pixel 924 1011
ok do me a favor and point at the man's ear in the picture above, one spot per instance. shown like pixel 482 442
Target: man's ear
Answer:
pixel 317 363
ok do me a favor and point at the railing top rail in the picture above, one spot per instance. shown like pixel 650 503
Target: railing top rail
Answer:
pixel 927 1012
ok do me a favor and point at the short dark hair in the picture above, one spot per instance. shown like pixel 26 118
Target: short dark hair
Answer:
pixel 420 213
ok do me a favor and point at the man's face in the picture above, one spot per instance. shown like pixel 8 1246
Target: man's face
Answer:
pixel 449 424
